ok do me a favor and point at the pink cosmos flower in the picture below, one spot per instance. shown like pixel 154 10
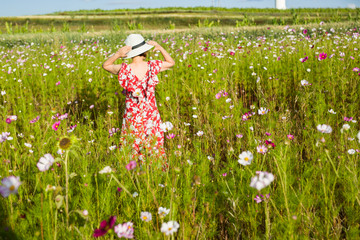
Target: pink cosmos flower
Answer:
pixel 105 226
pixel 55 126
pixel 291 137
pixel 322 56
pixel 35 119
pixel 58 83
pixel 125 230
pixel 268 134
pixel 346 119
pixel 305 31
pixel 239 135
pixel 262 149
pixel 356 69
pixel 218 95
pixel 131 165
pixel 170 136
pixel 8 120
pixel 232 53
pixel 304 59
pixel 91 107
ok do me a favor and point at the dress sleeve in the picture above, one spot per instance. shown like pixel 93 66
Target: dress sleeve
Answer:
pixel 123 75
pixel 155 66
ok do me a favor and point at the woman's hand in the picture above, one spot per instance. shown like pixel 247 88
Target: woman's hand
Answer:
pixel 157 46
pixel 121 53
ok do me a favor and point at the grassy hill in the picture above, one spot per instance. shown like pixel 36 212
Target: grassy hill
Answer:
pixel 169 18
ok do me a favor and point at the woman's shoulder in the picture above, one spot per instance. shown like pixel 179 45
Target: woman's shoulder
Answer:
pixel 155 63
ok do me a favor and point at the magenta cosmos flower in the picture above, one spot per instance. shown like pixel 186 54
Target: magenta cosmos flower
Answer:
pixel 55 126
pixel 322 56
pixel 105 226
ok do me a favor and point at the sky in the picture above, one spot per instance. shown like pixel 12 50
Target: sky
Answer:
pixel 33 7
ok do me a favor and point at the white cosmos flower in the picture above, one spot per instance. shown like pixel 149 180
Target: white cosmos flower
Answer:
pixel 262 180
pixel 195 116
pixel 263 111
pixel 345 127
pixel 351 151
pixel 245 158
pixel 45 162
pixel 358 136
pixel 112 147
pixel 163 211
pixel 169 227
pixel 3 93
pixel 28 145
pixel 106 169
pixel 228 100
pixel 324 128
pixel 200 133
pixel 146 216
pixel 166 126
pixel 304 83
pixel 9 186
pixel 331 111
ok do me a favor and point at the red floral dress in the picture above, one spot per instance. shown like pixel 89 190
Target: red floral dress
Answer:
pixel 141 127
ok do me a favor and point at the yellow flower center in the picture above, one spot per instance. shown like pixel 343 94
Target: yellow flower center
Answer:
pixel 144 217
pixel 12 188
pixel 246 159
pixel 170 228
pixel 263 112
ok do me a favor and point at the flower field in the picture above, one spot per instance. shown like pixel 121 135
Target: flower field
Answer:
pixel 262 137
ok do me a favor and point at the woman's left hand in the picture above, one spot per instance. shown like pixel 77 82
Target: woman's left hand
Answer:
pixel 157 46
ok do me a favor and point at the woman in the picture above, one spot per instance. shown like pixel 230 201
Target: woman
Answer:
pixel 141 127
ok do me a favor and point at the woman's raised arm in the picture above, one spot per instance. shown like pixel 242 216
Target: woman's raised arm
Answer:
pixel 169 62
pixel 109 65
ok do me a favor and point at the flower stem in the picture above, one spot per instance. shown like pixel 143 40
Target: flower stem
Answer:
pixel 267 219
pixel 66 189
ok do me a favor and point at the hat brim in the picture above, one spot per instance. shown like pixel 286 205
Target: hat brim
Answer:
pixel 133 53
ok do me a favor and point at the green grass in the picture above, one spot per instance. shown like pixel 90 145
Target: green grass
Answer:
pixel 315 193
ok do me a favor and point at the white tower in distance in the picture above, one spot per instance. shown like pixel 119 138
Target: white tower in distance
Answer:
pixel 280 4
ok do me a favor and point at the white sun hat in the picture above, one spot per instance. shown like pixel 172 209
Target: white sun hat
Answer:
pixel 137 44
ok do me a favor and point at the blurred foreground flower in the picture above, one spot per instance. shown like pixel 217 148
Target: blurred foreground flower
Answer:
pixel 45 162
pixel 324 128
pixel 105 226
pixel 9 186
pixel 262 180
pixel 169 227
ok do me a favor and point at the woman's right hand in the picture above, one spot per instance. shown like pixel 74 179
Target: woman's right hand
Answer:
pixel 122 52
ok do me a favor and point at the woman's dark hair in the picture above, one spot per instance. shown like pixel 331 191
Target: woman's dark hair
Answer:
pixel 143 54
